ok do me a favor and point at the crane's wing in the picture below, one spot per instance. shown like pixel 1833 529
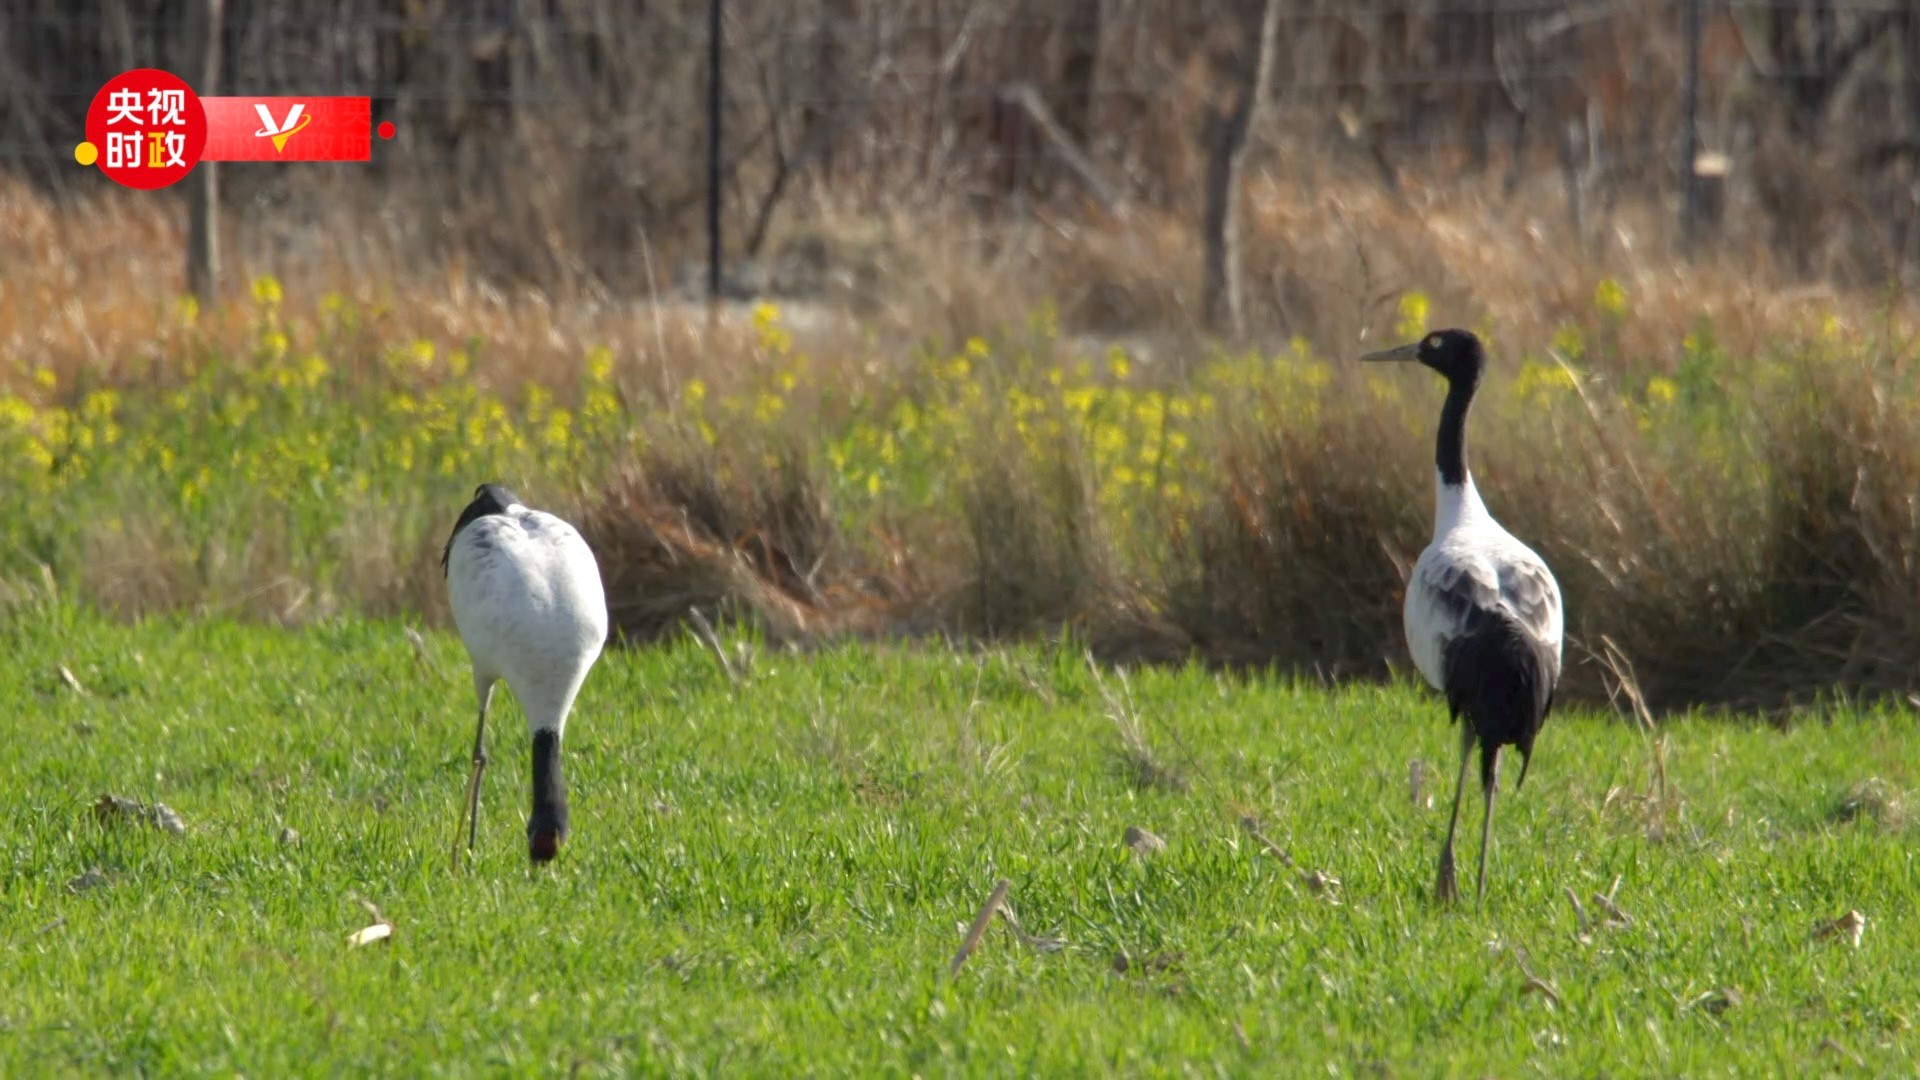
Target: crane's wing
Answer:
pixel 1532 596
pixel 1452 587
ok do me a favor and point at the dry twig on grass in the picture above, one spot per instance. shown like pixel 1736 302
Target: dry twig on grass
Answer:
pixel 979 928
pixel 702 631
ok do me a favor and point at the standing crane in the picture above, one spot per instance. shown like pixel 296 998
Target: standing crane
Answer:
pixel 526 597
pixel 1483 614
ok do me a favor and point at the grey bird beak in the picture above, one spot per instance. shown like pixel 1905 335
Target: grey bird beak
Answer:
pixel 1409 351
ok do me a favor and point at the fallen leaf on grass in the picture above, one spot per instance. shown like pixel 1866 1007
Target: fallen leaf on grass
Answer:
pixel 1152 964
pixel 1716 1001
pixel 91 878
pixel 166 818
pixel 1847 927
pixel 1142 841
pixel 112 808
pixel 73 683
pixel 379 931
pixel 421 655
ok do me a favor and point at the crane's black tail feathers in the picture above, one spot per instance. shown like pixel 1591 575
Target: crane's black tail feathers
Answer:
pixel 1501 681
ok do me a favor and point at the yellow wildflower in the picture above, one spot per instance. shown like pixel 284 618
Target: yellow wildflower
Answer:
pixel 600 363
pixel 1413 315
pixel 1569 342
pixel 266 290
pixel 768 407
pixel 1540 383
pixel 1610 298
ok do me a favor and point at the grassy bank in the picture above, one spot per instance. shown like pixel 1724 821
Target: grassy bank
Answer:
pixel 1727 527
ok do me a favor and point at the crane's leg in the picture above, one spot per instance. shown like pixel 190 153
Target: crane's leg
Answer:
pixel 1445 888
pixel 1486 827
pixel 473 781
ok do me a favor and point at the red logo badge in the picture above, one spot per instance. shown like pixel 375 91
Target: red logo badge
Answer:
pixel 147 128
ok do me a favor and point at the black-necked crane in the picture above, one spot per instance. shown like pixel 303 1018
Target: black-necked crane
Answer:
pixel 1483 614
pixel 527 600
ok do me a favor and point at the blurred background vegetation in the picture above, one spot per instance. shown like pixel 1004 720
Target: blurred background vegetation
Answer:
pixel 1034 316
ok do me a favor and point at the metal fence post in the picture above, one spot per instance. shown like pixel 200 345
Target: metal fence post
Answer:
pixel 203 189
pixel 1690 138
pixel 714 98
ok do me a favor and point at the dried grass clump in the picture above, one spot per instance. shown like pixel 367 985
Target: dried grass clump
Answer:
pixel 1877 801
pixel 682 530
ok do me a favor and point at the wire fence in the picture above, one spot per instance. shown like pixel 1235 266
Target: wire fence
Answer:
pixel 587 121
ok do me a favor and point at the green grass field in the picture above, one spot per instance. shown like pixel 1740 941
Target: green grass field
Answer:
pixel 774 877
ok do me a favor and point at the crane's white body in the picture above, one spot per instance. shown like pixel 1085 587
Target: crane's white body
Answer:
pixel 1474 562
pixel 527 599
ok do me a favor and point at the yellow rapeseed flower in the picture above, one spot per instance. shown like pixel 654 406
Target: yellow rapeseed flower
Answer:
pixel 768 407
pixel 1610 298
pixel 1540 383
pixel 15 412
pixel 1662 390
pixel 694 393
pixel 266 290
pixel 1569 342
pixel 420 352
pixel 600 363
pixel 99 405
pixel 44 378
pixel 1413 315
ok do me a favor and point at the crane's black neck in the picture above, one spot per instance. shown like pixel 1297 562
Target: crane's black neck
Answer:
pixel 547 827
pixel 1450 447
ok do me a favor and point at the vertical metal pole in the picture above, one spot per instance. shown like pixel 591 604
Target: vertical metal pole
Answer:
pixel 713 150
pixel 203 187
pixel 1690 139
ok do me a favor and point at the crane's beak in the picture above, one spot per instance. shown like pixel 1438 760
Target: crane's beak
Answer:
pixel 547 828
pixel 1409 351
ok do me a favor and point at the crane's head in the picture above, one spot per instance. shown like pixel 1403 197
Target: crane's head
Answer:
pixel 1455 354
pixel 487 499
